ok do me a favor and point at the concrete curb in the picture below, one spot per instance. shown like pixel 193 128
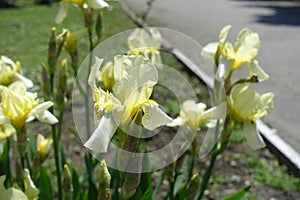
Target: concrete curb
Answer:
pixel 281 149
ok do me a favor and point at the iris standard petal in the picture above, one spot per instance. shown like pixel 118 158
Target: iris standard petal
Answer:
pixel 210 50
pixel 224 33
pixel 224 68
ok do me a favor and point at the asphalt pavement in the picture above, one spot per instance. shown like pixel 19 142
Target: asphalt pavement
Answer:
pixel 278 24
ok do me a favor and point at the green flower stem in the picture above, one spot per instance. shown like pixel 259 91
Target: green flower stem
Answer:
pixel 217 150
pixel 206 176
pixel 35 168
pixel 131 144
pixel 56 146
pixel 22 144
pixel 8 172
pixel 193 156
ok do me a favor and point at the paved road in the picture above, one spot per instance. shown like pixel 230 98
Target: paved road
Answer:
pixel 277 22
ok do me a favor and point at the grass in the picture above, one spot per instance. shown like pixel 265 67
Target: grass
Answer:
pixel 25 31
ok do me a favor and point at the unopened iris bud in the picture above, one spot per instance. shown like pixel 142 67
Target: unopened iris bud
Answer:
pixel 67 183
pixel 63 77
pixel 104 192
pixel 99 25
pixel 60 39
pixel 72 38
pixel 43 146
pixel 62 85
pixel 52 51
pixel 193 186
pixel 131 182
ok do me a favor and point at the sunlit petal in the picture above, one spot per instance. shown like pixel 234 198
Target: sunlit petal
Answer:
pixel 210 50
pixel 224 33
pixel 97 4
pixel 255 69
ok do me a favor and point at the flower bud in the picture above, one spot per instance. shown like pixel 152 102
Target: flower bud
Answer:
pixel 131 182
pixel 62 85
pixel 104 192
pixel 52 51
pixel 43 146
pixel 193 186
pixel 99 25
pixel 67 183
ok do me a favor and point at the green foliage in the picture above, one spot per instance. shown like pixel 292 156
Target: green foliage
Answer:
pixel 239 194
pixel 237 135
pixel 45 187
pixel 272 174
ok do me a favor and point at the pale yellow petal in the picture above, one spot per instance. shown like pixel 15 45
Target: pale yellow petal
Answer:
pixel 253 137
pixel 154 117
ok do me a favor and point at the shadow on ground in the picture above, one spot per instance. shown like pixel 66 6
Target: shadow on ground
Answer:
pixel 283 12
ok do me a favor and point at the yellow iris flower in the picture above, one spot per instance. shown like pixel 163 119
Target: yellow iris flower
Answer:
pixel 19 106
pixel 9 72
pixel 30 190
pixel 135 77
pixel 247 107
pixel 43 146
pixel 194 115
pixel 230 57
pixel 147 42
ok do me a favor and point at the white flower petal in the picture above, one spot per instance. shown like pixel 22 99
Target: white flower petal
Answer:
pixel 254 139
pixel 224 68
pixel 26 81
pixel 97 4
pixel 210 50
pixel 177 122
pixel 62 12
pixel 30 189
pixel 3 120
pixel 46 117
pixel 154 117
pixel 7 60
pixel 30 118
pixel 94 75
pixel 42 107
pixel 255 69
pixel 216 112
pixel 100 139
